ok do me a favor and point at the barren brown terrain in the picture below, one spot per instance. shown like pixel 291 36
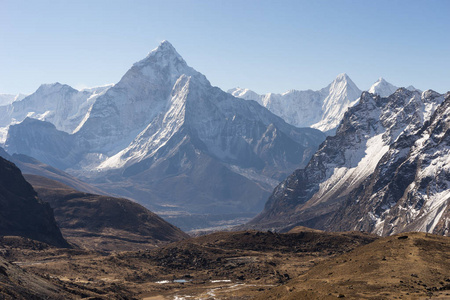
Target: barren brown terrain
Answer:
pixel 405 266
pixel 104 223
pixel 301 264
pixel 225 265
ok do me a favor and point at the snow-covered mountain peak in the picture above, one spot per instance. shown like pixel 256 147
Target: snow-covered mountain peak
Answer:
pixel 142 94
pixel 165 46
pixel 412 88
pixel 343 84
pixel 430 94
pixel 321 109
pixel 341 94
pixel 383 88
pixel 51 87
pixel 342 77
pixel 162 66
pixel 57 103
pixel 163 55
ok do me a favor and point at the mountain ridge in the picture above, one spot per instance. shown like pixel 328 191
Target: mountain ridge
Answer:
pixel 339 169
pixel 322 109
pixel 162 123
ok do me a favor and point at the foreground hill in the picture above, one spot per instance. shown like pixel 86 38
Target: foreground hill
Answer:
pixel 103 222
pixel 409 266
pixel 302 264
pixel 220 265
pixel 22 213
pixel 15 283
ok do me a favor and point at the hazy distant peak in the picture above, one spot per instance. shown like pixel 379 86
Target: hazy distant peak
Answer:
pixel 344 80
pixel 383 88
pixel 165 49
pixel 53 86
pixel 165 44
pixel 342 77
pixel 6 99
pixel 96 89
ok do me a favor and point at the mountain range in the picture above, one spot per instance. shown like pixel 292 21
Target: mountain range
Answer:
pixel 322 109
pixel 205 159
pixel 60 104
pixel 384 171
pixel 163 136
pixel 166 138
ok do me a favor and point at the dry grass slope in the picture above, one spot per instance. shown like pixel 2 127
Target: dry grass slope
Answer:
pixel 406 266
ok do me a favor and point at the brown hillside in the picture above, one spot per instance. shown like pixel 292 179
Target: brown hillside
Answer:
pixel 223 265
pixel 406 266
pixel 103 222
pixel 12 279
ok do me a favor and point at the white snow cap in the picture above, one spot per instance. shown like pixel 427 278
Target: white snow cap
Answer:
pixel 342 77
pixel 163 55
pixel 164 47
pixel 382 88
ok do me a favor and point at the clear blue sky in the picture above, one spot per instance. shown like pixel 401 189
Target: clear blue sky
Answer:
pixel 267 46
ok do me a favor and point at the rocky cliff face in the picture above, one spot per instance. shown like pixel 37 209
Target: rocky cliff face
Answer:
pixel 409 189
pixel 372 139
pixel 21 211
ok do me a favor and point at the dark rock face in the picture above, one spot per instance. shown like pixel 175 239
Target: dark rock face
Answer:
pixel 409 189
pixel 21 212
pixel 385 171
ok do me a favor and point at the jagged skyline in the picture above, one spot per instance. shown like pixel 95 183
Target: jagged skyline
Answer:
pixel 260 45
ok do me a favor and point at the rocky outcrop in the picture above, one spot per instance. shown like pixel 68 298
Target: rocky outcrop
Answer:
pixel 409 190
pixel 370 176
pixel 22 213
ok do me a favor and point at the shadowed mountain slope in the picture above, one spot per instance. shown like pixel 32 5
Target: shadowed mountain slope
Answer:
pixel 22 213
pixel 103 222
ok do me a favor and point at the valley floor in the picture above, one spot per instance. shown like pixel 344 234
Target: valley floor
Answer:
pixel 302 264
